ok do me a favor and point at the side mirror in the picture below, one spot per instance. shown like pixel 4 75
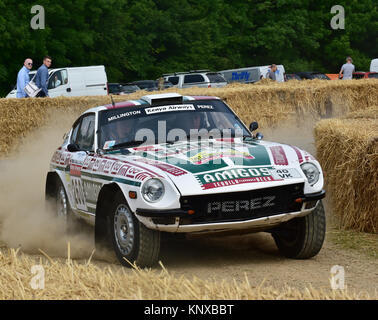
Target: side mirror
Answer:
pixel 253 126
pixel 259 136
pixel 73 147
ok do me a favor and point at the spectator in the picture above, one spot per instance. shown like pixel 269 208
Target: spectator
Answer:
pixel 57 82
pixel 161 83
pixel 23 78
pixel 347 69
pixel 43 76
pixel 272 72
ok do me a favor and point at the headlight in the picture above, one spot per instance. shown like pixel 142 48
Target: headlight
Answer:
pixel 153 190
pixel 311 172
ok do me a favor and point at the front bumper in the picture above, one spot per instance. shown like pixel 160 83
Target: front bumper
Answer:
pixel 174 220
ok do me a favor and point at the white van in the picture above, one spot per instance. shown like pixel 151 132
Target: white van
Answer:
pixel 70 82
pixel 374 65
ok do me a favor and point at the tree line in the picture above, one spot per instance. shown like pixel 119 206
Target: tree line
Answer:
pixel 142 39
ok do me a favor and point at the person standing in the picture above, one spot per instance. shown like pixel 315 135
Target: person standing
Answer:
pixel 23 78
pixel 347 69
pixel 160 83
pixel 272 72
pixel 42 77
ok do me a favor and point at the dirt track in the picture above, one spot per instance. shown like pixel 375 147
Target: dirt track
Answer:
pixel 227 258
pixel 257 256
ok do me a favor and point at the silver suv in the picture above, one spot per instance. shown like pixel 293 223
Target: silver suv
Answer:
pixel 196 78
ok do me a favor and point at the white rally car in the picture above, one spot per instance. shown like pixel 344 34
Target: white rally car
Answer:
pixel 183 164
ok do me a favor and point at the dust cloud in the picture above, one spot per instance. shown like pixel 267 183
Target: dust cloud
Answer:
pixel 25 222
pixel 293 132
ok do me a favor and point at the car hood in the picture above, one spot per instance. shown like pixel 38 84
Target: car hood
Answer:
pixel 217 165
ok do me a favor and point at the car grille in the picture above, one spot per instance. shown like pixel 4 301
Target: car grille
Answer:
pixel 237 206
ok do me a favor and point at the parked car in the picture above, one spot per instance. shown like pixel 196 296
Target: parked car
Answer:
pixel 196 78
pixel 80 81
pixel 310 75
pixel 132 190
pixel 149 85
pixel 364 75
pixel 292 76
pixel 127 89
pixel 114 88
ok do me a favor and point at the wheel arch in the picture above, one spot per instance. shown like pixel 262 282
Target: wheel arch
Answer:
pixel 104 200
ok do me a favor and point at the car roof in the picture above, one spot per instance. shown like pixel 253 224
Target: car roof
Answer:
pixel 187 72
pixel 148 100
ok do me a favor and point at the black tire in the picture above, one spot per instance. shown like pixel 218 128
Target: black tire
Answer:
pixel 60 207
pixel 131 240
pixel 302 238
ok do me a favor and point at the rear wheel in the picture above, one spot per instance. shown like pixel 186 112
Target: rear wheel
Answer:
pixel 302 238
pixel 131 240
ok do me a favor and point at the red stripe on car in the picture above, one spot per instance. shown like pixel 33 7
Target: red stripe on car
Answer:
pixel 279 156
pixel 299 154
pixel 120 105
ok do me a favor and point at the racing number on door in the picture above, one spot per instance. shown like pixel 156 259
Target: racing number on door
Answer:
pixel 78 193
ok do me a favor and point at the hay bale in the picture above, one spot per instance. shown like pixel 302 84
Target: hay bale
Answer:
pixel 348 152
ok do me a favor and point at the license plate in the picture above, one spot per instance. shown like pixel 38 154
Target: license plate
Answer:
pixel 290 173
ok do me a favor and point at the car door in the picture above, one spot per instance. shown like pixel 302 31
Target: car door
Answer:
pixel 174 80
pixel 58 84
pixel 83 136
pixel 95 80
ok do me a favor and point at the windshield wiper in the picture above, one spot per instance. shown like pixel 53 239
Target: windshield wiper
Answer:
pixel 127 144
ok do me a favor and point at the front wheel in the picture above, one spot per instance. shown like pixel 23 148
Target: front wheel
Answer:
pixel 302 238
pixel 132 241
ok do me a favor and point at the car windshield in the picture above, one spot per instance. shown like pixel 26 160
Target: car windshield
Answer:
pixel 168 123
pixel 373 75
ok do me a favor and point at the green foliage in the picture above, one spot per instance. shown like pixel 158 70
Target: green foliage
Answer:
pixel 141 39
